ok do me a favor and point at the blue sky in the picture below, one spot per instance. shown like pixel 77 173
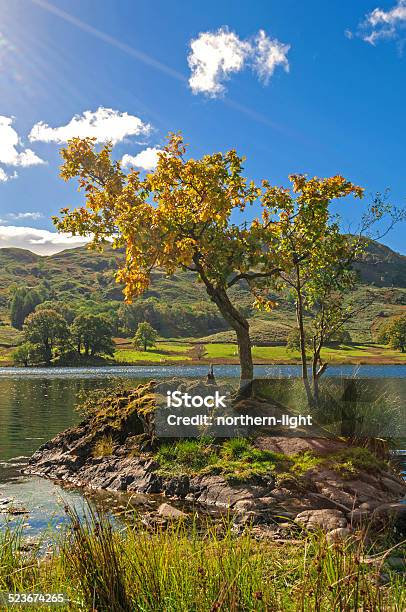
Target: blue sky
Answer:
pixel 315 87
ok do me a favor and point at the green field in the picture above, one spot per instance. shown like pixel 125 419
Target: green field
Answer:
pixel 164 352
pixel 167 352
pixel 181 351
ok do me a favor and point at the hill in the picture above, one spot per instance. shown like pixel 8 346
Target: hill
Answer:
pixel 178 305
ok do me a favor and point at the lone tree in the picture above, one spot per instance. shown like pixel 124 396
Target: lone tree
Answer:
pixel 394 333
pixel 93 334
pixel 179 216
pixel 48 331
pixel 302 237
pixel 145 336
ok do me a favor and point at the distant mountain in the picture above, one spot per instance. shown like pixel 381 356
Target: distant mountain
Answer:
pixel 85 278
pixel 382 267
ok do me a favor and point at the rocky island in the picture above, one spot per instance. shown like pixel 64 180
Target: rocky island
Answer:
pixel 332 484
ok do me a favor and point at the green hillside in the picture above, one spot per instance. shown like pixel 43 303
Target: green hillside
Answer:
pixel 178 306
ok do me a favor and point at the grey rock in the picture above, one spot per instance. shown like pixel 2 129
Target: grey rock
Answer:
pixel 397 563
pixel 338 535
pixel 394 513
pixel 177 487
pixel 325 519
pixel 170 512
pixel 359 516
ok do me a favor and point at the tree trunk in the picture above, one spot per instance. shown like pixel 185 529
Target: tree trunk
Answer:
pixel 318 370
pixel 316 394
pixel 48 351
pixel 238 322
pixel 245 352
pixel 300 324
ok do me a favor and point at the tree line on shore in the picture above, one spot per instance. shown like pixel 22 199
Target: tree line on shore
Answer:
pixel 171 320
pixel 52 332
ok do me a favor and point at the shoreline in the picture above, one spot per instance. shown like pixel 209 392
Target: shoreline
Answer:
pixel 194 363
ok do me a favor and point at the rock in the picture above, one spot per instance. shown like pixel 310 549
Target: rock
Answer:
pixel 16 511
pixel 397 488
pixel 245 505
pixel 359 516
pixel 394 513
pixel 170 512
pixel 263 532
pixel 177 487
pixel 325 519
pixel 338 535
pixel 369 505
pixel 216 491
pixel 281 493
pixel 250 518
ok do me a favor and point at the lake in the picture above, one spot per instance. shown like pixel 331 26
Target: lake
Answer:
pixel 38 403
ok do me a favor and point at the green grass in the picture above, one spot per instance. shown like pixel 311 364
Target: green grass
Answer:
pixel 9 337
pixel 351 461
pixel 163 352
pixel 279 354
pixel 236 460
pixel 200 567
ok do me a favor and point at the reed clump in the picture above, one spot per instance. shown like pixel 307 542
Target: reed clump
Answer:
pixel 104 566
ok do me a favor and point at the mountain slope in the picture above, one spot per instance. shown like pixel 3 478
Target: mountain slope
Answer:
pixel 84 278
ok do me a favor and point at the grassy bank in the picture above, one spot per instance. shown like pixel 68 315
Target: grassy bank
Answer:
pixel 182 352
pixel 238 461
pixel 203 568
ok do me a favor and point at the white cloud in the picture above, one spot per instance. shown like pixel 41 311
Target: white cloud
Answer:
pixel 391 17
pixel 215 56
pixel 104 124
pixel 25 215
pixel 9 144
pixel 42 242
pixel 380 24
pixel 269 53
pixel 4 177
pixel 146 159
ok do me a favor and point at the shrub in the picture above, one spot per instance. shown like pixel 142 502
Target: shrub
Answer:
pixel 103 447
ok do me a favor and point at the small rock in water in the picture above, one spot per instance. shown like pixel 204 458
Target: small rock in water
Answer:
pixel 170 512
pixel 15 511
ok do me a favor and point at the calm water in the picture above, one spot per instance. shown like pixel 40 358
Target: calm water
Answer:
pixel 226 371
pixel 36 404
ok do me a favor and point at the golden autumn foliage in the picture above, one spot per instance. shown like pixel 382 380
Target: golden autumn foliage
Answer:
pixel 184 215
pixel 180 211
